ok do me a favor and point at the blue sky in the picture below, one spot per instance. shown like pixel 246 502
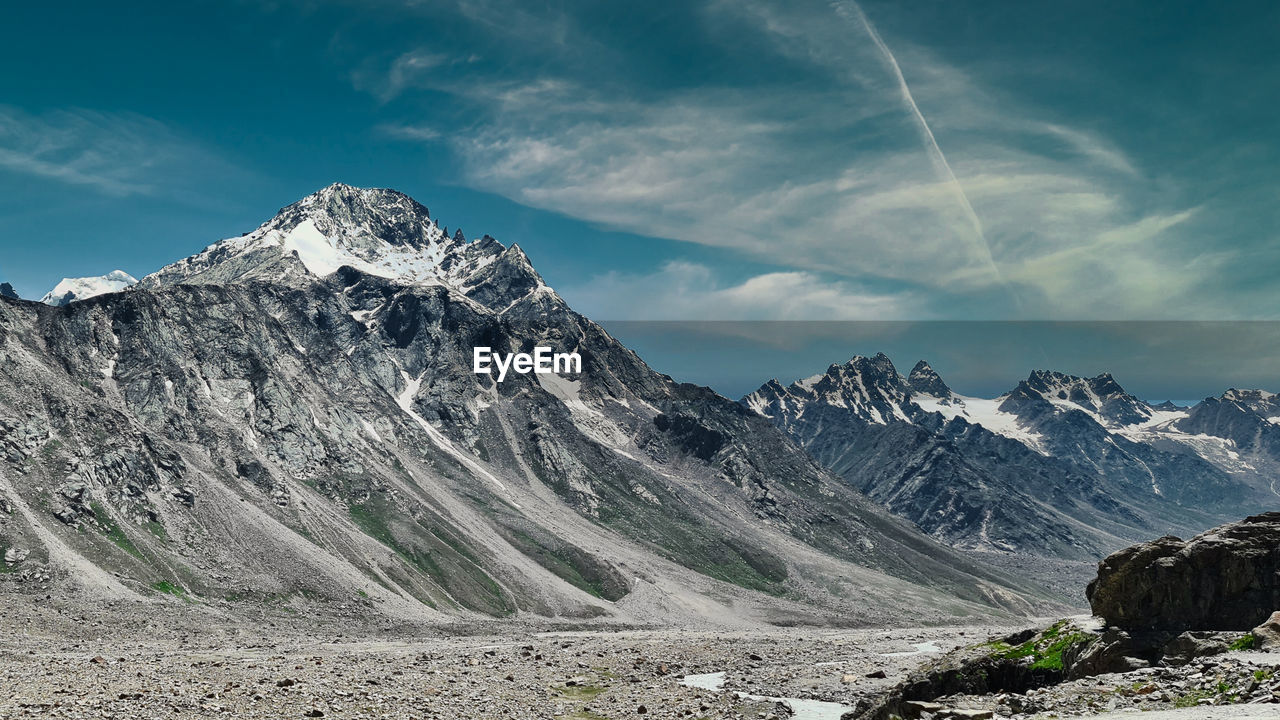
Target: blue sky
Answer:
pixel 686 160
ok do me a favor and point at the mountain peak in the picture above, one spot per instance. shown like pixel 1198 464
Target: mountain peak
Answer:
pixel 72 289
pixel 1101 396
pixel 6 290
pixel 377 231
pixel 340 199
pixel 869 388
pixel 925 380
pixel 878 364
pixel 1262 402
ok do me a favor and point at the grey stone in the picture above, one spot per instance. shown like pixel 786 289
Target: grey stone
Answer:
pixel 1267 635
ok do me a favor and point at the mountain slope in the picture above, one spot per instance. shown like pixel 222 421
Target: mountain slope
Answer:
pixel 254 424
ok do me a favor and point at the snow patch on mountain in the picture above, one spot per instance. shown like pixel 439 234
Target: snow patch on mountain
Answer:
pixel 72 289
pixel 323 254
pixel 984 412
pixel 405 401
pixel 1162 423
pixel 590 421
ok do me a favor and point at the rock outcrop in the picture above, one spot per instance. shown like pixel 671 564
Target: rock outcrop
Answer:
pixel 1225 579
pixel 1017 663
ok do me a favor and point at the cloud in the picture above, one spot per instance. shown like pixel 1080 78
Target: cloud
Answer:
pixel 117 154
pixel 416 69
pixel 411 132
pixel 886 166
pixel 682 290
pixel 1124 260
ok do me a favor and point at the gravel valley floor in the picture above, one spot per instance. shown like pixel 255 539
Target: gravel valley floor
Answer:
pixel 59 660
pixel 63 660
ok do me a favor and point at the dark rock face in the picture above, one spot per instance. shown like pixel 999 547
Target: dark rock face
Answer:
pixel 924 379
pixel 1191 645
pixel 1225 579
pixel 6 290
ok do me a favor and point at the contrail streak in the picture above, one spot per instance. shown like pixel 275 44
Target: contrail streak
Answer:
pixel 931 143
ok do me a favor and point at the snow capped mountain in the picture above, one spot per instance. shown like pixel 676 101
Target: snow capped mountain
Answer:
pixel 872 390
pixel 6 290
pixel 1061 465
pixel 869 388
pixel 1100 397
pixel 72 289
pixel 379 232
pixel 1238 430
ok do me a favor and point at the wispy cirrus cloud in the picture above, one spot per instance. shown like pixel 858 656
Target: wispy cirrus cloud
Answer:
pixel 891 166
pixel 117 154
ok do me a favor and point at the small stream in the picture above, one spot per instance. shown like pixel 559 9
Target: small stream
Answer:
pixel 802 709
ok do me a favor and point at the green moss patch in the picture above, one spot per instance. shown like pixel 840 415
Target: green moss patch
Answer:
pixel 1046 649
pixel 168 588
pixel 1244 642
pixel 582 693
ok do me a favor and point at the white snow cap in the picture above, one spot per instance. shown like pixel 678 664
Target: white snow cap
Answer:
pixel 378 231
pixel 72 289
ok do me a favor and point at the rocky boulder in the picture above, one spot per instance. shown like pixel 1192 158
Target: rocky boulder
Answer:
pixel 1225 579
pixel 1192 645
pixel 1267 635
pixel 1115 651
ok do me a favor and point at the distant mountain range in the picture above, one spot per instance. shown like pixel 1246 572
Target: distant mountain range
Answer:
pixel 1059 466
pixel 291 416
